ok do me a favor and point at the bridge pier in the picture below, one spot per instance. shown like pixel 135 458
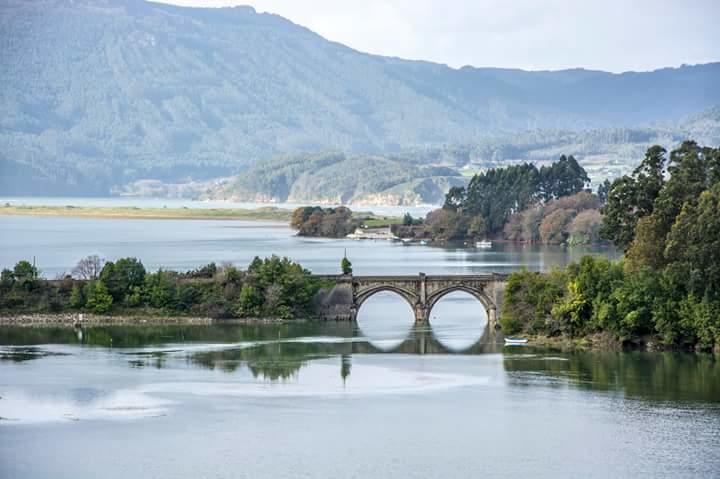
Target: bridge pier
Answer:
pixel 421 313
pixel 492 318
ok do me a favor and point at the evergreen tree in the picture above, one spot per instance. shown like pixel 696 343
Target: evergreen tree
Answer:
pixel 346 266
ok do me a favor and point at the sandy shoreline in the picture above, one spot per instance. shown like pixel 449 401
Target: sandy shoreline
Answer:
pixel 261 214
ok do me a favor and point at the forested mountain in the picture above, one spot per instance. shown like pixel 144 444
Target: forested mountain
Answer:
pixel 340 179
pixel 98 93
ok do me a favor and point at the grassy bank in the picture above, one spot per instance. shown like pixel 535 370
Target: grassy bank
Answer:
pixel 269 213
pixel 381 221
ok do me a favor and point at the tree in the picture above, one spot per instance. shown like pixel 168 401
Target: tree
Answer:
pixel 477 228
pixel 447 225
pixel 7 277
pixel 455 198
pixel 159 289
pixel 407 219
pixel 297 289
pixel 345 266
pixel 186 296
pixel 564 177
pixel 620 213
pixel 553 228
pixel 693 245
pixel 250 301
pixel 528 302
pixel 24 271
pixel 603 190
pixel 633 197
pixel 77 299
pixel 89 267
pixel 649 179
pixel 330 222
pixel 122 275
pixel 648 247
pixel 99 300
pixel 585 227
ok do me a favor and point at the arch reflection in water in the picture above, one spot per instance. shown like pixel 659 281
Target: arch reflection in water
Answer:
pixel 386 320
pixel 458 321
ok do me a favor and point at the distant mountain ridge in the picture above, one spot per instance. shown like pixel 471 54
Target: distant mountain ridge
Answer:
pixel 99 93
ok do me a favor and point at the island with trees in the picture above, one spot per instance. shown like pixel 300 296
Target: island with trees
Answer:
pixel 550 204
pixel 520 203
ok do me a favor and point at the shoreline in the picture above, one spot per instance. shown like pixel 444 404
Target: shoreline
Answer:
pixel 74 320
pixel 269 213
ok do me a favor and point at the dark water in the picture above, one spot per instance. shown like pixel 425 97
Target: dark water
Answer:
pixel 380 398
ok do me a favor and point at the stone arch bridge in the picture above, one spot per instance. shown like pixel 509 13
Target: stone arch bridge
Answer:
pixel 345 298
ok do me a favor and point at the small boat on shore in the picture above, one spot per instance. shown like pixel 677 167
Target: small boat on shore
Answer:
pixel 484 244
pixel 513 341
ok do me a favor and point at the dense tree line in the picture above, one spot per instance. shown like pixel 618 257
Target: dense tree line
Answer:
pixel 271 287
pixel 571 219
pixel 666 216
pixel 492 197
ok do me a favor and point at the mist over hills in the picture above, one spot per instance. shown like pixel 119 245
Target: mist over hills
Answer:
pixel 100 93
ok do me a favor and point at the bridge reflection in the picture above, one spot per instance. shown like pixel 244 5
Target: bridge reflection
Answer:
pixel 423 339
pixel 274 352
pixel 282 359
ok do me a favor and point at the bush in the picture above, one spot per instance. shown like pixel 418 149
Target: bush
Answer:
pixel 529 300
pixel 99 300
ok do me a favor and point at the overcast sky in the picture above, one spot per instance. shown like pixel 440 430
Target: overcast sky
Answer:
pixel 612 35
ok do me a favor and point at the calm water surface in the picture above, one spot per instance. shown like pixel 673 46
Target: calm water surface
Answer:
pixel 380 398
pixel 58 243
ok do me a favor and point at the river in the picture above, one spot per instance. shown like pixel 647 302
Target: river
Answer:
pixel 377 398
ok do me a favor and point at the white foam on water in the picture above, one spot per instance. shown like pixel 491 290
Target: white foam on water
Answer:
pixel 18 407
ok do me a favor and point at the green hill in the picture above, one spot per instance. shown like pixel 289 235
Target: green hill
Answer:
pixel 99 93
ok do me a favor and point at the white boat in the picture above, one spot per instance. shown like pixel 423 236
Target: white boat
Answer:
pixel 483 244
pixel 423 242
pixel 516 341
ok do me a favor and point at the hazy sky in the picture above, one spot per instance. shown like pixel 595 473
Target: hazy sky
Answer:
pixel 613 35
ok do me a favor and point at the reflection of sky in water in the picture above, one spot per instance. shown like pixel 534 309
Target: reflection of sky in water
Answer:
pixel 309 399
pixel 385 319
pixel 65 385
pixel 458 321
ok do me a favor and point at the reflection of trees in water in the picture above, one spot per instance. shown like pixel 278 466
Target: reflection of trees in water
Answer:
pixel 149 335
pixel 20 354
pixel 652 376
pixel 345 366
pixel 22 336
pixel 273 361
pixel 156 359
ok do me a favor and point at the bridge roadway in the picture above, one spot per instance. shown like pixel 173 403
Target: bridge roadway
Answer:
pixel 345 298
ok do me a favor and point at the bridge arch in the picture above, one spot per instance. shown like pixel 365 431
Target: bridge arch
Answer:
pixel 362 296
pixel 481 296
